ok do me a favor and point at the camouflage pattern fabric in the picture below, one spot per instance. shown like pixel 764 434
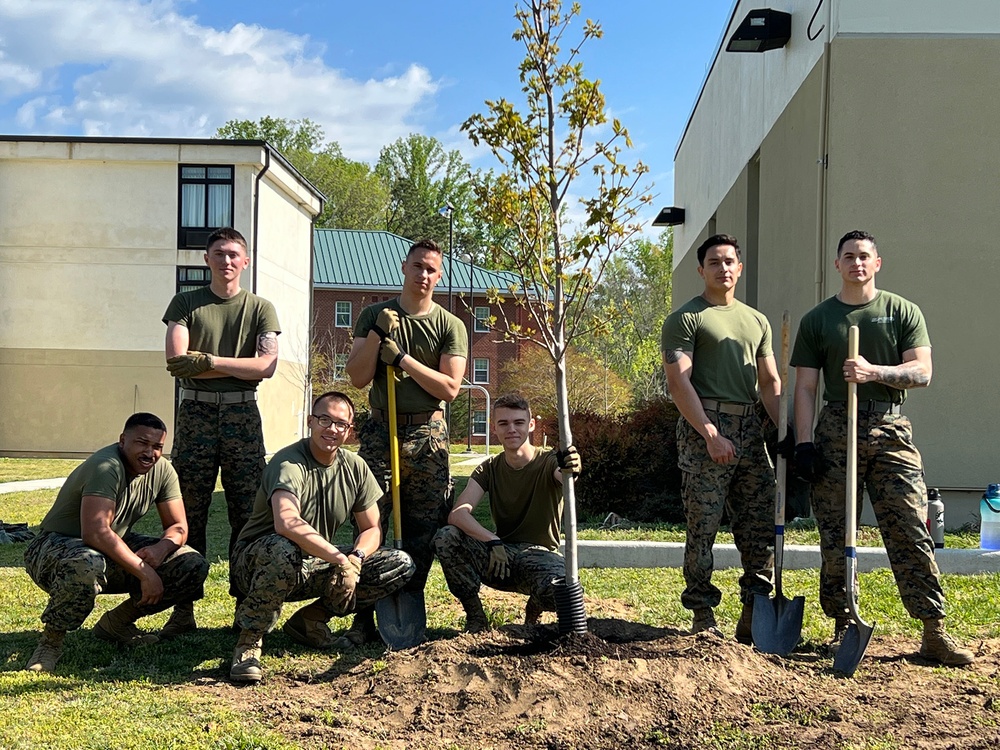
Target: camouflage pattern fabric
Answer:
pixel 889 465
pixel 272 570
pixel 209 437
pixel 746 488
pixel 15 532
pixel 425 486
pixel 73 574
pixel 465 561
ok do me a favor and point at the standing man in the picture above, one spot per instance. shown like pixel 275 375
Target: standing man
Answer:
pixel 427 346
pixel 87 547
pixel 526 502
pixel 895 354
pixel 221 342
pixel 286 551
pixel 718 361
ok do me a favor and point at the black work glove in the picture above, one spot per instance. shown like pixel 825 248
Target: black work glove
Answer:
pixel 784 448
pixel 391 354
pixel 569 461
pixel 809 463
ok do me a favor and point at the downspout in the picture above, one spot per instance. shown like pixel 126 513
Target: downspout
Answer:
pixel 256 214
pixel 821 175
pixel 307 391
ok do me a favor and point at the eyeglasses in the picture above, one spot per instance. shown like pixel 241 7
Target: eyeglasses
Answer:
pixel 326 422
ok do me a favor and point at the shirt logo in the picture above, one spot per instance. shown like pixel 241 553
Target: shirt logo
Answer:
pixel 882 319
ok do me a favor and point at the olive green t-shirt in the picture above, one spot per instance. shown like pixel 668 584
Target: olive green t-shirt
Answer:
pixel 526 503
pixel 425 338
pixel 226 327
pixel 328 495
pixel 104 475
pixel 887 327
pixel 725 342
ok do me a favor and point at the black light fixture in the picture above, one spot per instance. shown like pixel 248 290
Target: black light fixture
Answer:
pixel 761 30
pixel 669 217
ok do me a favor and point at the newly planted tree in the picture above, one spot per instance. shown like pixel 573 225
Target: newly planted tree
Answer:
pixel 558 147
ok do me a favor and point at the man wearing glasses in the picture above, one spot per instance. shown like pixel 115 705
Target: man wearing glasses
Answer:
pixel 286 552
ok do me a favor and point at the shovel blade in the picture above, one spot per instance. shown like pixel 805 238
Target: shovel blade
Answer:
pixel 853 647
pixel 402 619
pixel 777 623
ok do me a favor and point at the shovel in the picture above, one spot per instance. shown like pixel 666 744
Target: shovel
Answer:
pixel 859 633
pixel 777 623
pixel 402 617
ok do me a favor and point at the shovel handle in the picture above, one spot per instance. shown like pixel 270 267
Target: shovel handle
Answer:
pixel 780 486
pixel 397 523
pixel 851 510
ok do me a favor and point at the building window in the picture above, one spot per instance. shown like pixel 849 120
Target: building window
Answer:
pixel 480 370
pixel 482 320
pixel 343 316
pixel 479 422
pixel 192 277
pixel 340 366
pixel 206 202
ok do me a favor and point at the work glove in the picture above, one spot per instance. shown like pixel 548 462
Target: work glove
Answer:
pixel 499 566
pixel 343 589
pixel 387 323
pixel 784 448
pixel 809 463
pixel 190 364
pixel 391 354
pixel 569 461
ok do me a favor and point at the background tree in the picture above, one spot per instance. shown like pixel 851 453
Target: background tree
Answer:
pixel 543 150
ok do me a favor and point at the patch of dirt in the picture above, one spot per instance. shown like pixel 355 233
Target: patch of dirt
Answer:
pixel 629 684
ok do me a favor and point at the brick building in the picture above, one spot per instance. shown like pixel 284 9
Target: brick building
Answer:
pixel 353 269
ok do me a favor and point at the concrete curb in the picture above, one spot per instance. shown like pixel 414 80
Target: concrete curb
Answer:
pixel 600 554
pixel 32 484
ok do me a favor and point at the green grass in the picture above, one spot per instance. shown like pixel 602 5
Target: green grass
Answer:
pixel 18 469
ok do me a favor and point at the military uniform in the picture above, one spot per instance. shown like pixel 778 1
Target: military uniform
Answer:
pixel 724 342
pixel 73 574
pixel 889 464
pixel 526 506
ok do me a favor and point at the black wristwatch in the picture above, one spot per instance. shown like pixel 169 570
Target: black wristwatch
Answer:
pixel 359 553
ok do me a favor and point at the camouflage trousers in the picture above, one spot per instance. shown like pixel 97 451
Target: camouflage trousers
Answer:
pixel 744 487
pixel 73 574
pixel 889 466
pixel 425 486
pixel 272 570
pixel 465 561
pixel 210 437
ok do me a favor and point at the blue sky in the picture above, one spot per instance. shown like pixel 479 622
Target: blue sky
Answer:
pixel 369 72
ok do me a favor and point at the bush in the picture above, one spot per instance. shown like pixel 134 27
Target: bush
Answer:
pixel 629 463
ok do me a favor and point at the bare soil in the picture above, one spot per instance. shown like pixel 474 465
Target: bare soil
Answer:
pixel 628 685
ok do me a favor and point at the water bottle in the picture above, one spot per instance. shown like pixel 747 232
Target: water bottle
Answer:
pixel 989 512
pixel 935 517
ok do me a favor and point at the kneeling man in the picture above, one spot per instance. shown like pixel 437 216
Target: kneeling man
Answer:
pixel 86 546
pixel 286 551
pixel 525 489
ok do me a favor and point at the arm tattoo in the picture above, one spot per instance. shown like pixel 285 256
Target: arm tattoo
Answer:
pixel 267 343
pixel 673 356
pixel 908 375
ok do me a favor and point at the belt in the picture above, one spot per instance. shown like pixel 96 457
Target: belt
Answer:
pixel 417 417
pixel 211 397
pixel 740 410
pixel 873 407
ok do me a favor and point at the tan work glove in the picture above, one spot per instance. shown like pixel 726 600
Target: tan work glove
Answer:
pixel 391 354
pixel 387 323
pixel 343 589
pixel 569 461
pixel 190 364
pixel 499 566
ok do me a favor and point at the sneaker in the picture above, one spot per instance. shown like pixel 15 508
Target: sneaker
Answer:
pixel 704 619
pixel 180 623
pixel 47 652
pixel 116 629
pixel 246 659
pixel 744 626
pixel 937 645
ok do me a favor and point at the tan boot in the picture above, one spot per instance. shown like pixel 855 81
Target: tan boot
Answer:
pixel 475 616
pixel 118 626
pixel 309 627
pixel 246 658
pixel 181 621
pixel 938 646
pixel 744 626
pixel 839 631
pixel 362 632
pixel 533 611
pixel 47 652
pixel 704 619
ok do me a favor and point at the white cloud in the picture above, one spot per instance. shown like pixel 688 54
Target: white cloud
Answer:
pixel 124 67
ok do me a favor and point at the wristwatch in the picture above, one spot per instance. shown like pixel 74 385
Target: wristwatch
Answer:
pixel 359 553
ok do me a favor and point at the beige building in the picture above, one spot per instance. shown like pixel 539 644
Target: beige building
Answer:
pixel 96 236
pixel 880 115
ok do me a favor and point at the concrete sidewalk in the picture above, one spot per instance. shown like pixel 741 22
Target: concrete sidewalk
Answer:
pixel 32 484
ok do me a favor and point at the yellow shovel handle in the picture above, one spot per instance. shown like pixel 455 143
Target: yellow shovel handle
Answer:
pixel 397 524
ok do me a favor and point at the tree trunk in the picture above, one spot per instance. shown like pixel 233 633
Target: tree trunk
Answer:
pixel 569 496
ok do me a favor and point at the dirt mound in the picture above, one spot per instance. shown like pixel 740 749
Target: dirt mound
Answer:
pixel 527 687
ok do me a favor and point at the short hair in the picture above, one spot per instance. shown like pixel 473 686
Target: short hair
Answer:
pixel 226 234
pixel 429 245
pixel 512 401
pixel 856 234
pixel 717 239
pixel 144 419
pixel 334 396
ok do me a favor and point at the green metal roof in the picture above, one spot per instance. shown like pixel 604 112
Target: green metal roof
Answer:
pixel 357 259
